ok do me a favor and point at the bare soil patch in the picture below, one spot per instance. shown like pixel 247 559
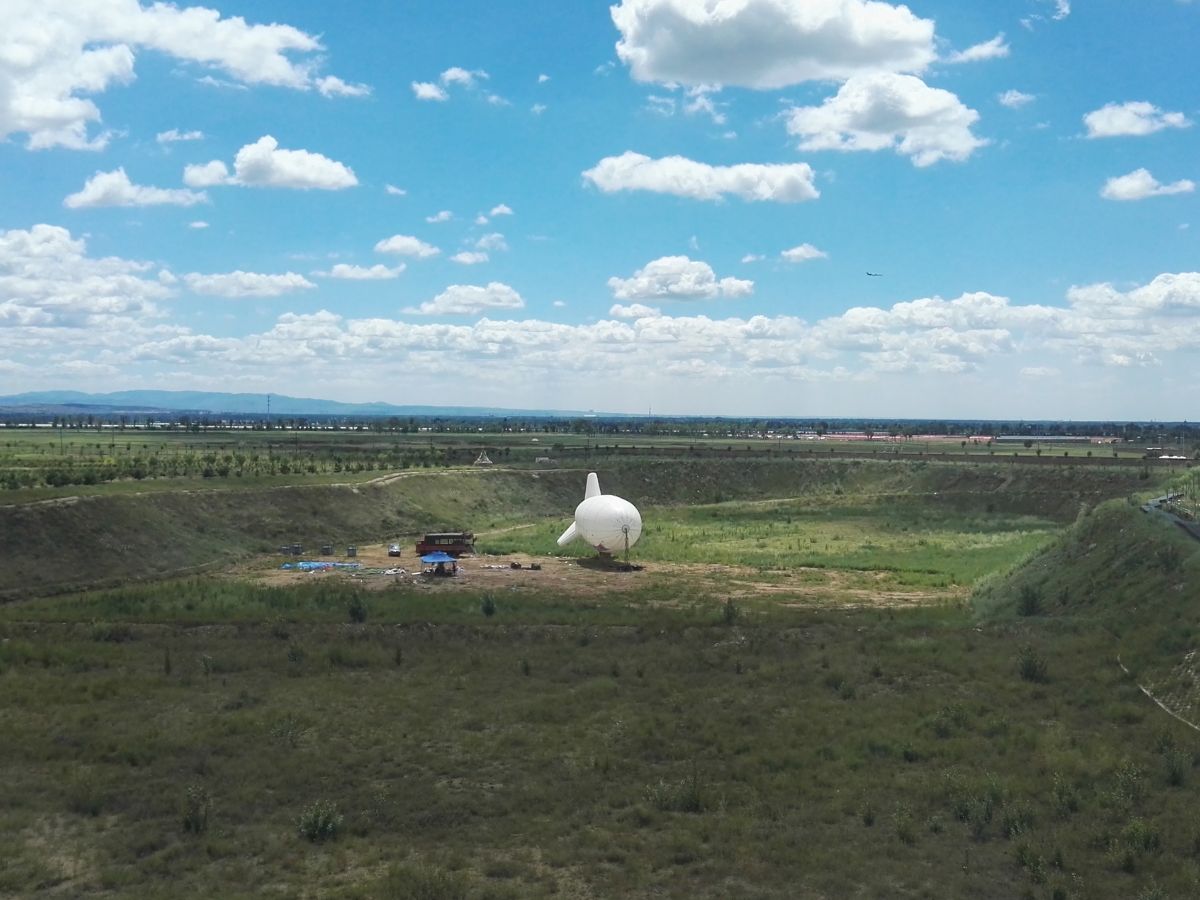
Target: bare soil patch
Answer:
pixel 590 577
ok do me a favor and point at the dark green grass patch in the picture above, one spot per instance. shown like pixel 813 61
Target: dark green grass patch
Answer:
pixel 787 753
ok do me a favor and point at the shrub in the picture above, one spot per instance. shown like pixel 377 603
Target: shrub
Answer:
pixel 1017 820
pixel 866 813
pixel 1032 666
pixel 357 609
pixel 488 606
pixel 684 795
pixel 1130 785
pixel 1031 861
pixel 1178 764
pixel 1029 602
pixel 84 795
pixel 197 804
pixel 320 821
pixel 730 612
pixel 1064 797
pixel 902 818
pixel 287 731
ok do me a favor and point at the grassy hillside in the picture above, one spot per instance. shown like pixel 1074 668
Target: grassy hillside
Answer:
pixel 75 542
pixel 1136 575
pixel 212 737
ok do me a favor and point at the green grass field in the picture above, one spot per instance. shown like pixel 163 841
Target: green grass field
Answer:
pixel 211 736
pixel 631 751
pixel 42 463
pixel 912 539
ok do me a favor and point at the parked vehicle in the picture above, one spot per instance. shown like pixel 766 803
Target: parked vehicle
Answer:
pixel 456 543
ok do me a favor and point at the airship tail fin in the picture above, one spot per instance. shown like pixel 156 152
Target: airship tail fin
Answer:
pixel 567 536
pixel 593 486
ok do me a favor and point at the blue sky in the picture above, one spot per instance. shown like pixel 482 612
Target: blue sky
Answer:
pixel 658 204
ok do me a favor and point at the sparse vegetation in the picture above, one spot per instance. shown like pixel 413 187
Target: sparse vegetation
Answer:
pixel 624 745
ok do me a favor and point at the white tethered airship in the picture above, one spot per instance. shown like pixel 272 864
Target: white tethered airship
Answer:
pixel 607 522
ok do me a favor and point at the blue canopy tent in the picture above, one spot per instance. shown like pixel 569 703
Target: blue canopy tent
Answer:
pixel 435 563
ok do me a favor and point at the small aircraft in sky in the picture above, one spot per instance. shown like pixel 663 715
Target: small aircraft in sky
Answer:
pixel 875 274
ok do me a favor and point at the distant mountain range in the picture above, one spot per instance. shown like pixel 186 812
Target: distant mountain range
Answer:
pixel 141 403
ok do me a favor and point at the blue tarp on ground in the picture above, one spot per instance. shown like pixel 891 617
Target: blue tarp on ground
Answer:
pixel 438 557
pixel 318 565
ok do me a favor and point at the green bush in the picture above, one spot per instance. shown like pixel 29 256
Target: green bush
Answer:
pixel 197 805
pixel 1032 666
pixel 488 606
pixel 1178 765
pixel 730 613
pixel 320 821
pixel 357 609
pixel 1029 603
pixel 685 795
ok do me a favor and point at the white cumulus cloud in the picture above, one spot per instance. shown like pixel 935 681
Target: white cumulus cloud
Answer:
pixel 427 90
pixel 455 76
pixel 501 209
pixel 394 191
pixel 332 86
pixel 493 241
pixel 469 300
pixel 1014 99
pixel 1135 119
pixel 996 48
pixel 677 278
pixel 406 245
pixel 443 216
pixel 633 311
pixel 115 189
pixel 1140 184
pixel 48 280
pixel 803 253
pixel 470 257
pixel 769 44
pixel 264 164
pixel 174 135
pixel 349 272
pixel 207 174
pixel 889 111
pixel 57 56
pixel 459 75
pixel 781 183
pixel 246 284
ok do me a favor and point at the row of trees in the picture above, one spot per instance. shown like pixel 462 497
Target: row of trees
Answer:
pixel 1177 434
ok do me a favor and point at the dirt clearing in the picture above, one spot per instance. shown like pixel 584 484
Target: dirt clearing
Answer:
pixel 590 577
